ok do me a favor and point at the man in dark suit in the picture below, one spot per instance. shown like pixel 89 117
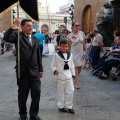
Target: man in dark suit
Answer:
pixel 30 67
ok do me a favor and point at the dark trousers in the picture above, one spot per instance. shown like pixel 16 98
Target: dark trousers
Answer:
pixel 50 39
pixel 2 48
pixel 41 49
pixel 33 85
pixel 95 55
pixel 107 65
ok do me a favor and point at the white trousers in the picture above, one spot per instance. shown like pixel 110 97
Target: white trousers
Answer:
pixel 65 91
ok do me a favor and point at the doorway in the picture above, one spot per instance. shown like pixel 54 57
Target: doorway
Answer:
pixel 88 19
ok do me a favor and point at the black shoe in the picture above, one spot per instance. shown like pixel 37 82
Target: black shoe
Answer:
pixel 62 109
pixel 23 117
pixel 71 111
pixel 102 77
pixel 35 118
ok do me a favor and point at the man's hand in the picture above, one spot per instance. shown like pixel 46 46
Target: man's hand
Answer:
pixel 40 74
pixel 16 23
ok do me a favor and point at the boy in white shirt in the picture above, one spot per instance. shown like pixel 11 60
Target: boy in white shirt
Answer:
pixel 63 69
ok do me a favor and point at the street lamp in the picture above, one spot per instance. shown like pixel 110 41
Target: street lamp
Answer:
pixel 71 12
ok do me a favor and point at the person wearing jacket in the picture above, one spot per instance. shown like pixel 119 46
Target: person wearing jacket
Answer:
pixel 31 69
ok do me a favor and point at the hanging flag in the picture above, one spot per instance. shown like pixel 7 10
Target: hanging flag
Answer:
pixel 30 7
pixel 6 4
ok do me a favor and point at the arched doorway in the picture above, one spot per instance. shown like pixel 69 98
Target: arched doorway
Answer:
pixel 88 19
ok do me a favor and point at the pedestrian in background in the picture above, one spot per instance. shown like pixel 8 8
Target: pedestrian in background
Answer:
pixel 41 38
pixel 97 46
pixel 59 36
pixel 2 42
pixel 50 37
pixel 55 39
pixel 77 46
pixel 31 69
pixel 64 36
pixel 88 50
pixel 46 39
pixel 65 32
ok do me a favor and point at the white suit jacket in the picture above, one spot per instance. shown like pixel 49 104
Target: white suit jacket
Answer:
pixel 58 64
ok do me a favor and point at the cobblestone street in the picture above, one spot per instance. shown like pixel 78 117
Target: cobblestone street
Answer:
pixel 95 100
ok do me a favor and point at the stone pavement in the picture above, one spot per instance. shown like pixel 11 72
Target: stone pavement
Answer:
pixel 96 100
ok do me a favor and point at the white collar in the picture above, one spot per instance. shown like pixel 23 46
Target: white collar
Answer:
pixel 28 35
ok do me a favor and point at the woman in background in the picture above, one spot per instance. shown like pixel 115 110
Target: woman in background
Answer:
pixel 55 38
pixel 76 46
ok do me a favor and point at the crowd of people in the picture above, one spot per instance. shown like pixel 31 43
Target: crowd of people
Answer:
pixel 74 51
pixel 44 40
pixel 89 51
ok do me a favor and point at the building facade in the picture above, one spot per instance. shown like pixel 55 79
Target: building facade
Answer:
pixel 85 12
pixel 49 22
pixel 6 21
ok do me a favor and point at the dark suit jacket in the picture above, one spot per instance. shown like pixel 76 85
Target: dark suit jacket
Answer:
pixel 35 64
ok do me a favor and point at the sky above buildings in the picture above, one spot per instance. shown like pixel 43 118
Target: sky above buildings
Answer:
pixel 54 4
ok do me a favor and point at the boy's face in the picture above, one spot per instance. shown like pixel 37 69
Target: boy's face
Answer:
pixel 64 48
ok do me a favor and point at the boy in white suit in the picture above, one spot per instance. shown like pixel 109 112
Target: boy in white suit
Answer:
pixel 63 69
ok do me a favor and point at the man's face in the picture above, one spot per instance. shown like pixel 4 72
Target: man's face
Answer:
pixel 27 28
pixel 64 48
pixel 117 40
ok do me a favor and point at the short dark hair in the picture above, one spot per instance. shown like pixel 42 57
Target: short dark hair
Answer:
pixel 117 32
pixel 64 42
pixel 87 32
pixel 66 30
pixel 56 32
pixel 88 40
pixel 91 35
pixel 24 21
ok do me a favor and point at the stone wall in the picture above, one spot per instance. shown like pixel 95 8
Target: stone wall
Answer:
pixel 81 4
pixel 5 21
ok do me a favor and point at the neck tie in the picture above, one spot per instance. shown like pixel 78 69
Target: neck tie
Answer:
pixel 29 40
